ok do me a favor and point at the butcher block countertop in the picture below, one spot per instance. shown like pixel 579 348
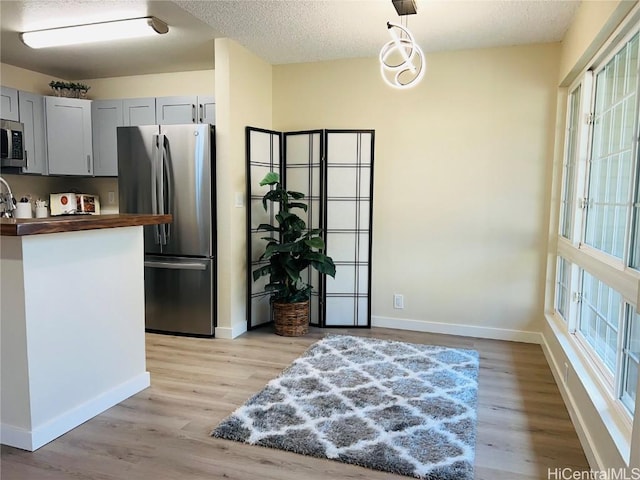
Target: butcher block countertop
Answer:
pixel 72 223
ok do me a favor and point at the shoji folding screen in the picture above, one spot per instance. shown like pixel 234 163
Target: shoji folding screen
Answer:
pixel 347 224
pixel 334 169
pixel 263 156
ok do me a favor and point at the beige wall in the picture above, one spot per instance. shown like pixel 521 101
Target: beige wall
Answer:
pixel 460 178
pixel 201 82
pixel 26 80
pixel 244 97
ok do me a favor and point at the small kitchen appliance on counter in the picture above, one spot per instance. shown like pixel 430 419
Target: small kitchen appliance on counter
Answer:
pixel 62 203
pixel 87 204
pixel 74 204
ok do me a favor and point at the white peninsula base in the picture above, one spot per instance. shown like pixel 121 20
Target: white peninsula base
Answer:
pixel 72 329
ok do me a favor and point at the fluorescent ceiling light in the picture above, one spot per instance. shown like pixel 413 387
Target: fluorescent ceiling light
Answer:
pixel 95 32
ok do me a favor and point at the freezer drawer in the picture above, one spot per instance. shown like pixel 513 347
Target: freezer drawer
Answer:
pixel 180 295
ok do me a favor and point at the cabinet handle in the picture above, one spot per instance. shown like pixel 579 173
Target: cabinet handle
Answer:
pixel 201 112
pixel 26 158
pixel 88 163
pixel 193 113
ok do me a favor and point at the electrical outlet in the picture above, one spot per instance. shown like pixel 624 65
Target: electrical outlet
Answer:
pixel 112 198
pixel 398 301
pixel 239 200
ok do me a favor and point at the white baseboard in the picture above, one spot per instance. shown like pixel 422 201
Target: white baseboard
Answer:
pixel 457 329
pixel 586 440
pixel 33 439
pixel 231 333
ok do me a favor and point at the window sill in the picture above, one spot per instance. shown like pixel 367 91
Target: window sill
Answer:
pixel 612 413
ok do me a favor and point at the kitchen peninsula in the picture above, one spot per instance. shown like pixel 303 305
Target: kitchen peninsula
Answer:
pixel 71 321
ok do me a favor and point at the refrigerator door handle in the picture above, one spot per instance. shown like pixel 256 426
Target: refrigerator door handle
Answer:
pixel 154 188
pixel 160 180
pixel 176 266
pixel 166 187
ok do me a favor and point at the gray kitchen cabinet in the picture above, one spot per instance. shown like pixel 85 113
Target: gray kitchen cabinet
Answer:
pixel 207 109
pixel 9 104
pixel 106 117
pixel 185 109
pixel 69 144
pixel 139 111
pixel 31 107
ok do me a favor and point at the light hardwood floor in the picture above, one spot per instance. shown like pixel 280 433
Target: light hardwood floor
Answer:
pixel 163 432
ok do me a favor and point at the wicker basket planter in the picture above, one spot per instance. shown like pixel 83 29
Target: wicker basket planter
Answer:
pixel 291 319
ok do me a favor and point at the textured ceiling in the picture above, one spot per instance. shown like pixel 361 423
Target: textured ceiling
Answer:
pixel 279 31
pixel 294 31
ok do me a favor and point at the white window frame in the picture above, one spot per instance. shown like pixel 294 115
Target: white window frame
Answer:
pixel 585 83
pixel 629 313
pixel 610 270
pixel 585 143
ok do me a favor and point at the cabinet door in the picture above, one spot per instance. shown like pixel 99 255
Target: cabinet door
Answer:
pixel 139 111
pixel 31 108
pixel 207 109
pixel 106 117
pixel 176 110
pixel 9 104
pixel 69 136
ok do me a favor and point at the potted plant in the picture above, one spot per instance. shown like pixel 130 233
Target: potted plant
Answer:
pixel 57 87
pixel 82 89
pixel 69 89
pixel 290 251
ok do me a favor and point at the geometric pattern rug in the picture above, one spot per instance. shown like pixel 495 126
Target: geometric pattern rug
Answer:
pixel 397 407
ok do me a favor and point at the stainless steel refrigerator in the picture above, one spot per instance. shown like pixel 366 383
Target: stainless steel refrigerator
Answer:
pixel 170 169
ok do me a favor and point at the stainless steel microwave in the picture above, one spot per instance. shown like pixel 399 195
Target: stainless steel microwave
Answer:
pixel 12 144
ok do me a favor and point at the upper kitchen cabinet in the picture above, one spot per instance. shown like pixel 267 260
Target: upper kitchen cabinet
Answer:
pixel 106 117
pixel 69 136
pixel 139 111
pixel 207 109
pixel 31 108
pixel 9 104
pixel 188 109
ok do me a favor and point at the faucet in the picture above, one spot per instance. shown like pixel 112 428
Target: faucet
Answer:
pixel 7 199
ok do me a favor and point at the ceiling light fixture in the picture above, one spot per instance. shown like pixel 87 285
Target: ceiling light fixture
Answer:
pixel 402 62
pixel 95 32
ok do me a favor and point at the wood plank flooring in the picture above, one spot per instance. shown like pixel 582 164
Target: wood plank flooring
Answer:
pixel 163 432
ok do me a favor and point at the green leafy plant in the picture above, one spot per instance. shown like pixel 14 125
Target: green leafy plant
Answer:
pixel 292 249
pixel 81 86
pixel 58 85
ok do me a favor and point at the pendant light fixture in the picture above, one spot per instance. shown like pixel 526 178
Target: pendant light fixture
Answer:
pixel 95 32
pixel 402 62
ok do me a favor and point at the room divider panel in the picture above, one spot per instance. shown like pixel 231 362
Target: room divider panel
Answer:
pixel 263 156
pixel 347 224
pixel 334 169
pixel 302 162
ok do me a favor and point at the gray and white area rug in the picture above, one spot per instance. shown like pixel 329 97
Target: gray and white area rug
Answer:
pixel 397 407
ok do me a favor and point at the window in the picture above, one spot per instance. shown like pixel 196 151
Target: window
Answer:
pixel 563 290
pixel 631 360
pixel 599 222
pixel 599 319
pixel 612 145
pixel 569 165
